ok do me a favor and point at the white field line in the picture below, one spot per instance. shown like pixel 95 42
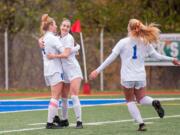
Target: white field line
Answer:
pixel 167 99
pixel 22 105
pixel 89 124
pixel 113 99
pixel 107 122
pixel 109 104
pixel 20 130
pixel 24 111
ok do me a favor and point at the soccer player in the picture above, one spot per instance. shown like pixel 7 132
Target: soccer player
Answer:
pixel 71 69
pixel 53 71
pixel 63 122
pixel 52 68
pixel 132 50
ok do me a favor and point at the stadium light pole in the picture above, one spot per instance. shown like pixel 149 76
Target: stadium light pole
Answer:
pixel 101 58
pixel 6 59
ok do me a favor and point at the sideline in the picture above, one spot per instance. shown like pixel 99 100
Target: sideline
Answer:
pixel 11 106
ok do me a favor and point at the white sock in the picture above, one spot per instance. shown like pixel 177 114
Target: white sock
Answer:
pixel 146 100
pixel 77 107
pixel 57 114
pixel 134 111
pixel 64 110
pixel 52 109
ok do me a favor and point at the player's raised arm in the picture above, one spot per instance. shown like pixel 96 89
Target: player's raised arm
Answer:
pixel 115 52
pixel 153 53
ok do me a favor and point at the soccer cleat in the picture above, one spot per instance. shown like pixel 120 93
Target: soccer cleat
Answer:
pixel 157 106
pixel 62 123
pixel 52 126
pixel 56 120
pixel 79 125
pixel 142 127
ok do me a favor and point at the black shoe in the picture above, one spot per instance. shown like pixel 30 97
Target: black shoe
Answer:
pixel 142 127
pixel 62 123
pixel 56 120
pixel 79 125
pixel 157 106
pixel 52 126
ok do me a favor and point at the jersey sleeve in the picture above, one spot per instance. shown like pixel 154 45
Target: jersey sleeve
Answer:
pixel 107 62
pixel 115 52
pixel 75 48
pixel 117 48
pixel 154 54
pixel 57 44
pixel 150 50
pixel 69 42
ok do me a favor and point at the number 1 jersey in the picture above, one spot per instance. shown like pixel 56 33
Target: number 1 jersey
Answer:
pixel 132 54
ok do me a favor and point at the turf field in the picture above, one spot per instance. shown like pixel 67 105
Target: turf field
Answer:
pixel 99 119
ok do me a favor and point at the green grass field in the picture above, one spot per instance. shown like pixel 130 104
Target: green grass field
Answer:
pixel 98 120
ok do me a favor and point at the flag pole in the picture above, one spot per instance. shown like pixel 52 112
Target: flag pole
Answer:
pixel 76 27
pixel 84 57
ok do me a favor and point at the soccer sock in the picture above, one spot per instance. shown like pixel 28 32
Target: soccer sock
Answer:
pixel 77 107
pixel 146 100
pixel 134 111
pixel 64 111
pixel 52 109
pixel 57 113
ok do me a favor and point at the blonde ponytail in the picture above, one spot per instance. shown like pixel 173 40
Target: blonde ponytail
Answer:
pixel 45 22
pixel 148 34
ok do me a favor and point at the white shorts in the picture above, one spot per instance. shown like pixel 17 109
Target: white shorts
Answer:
pixel 133 84
pixel 70 75
pixel 54 79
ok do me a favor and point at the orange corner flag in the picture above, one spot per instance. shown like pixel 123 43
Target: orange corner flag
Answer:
pixel 76 27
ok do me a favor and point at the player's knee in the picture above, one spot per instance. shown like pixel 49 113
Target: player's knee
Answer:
pixel 138 98
pixel 55 96
pixel 64 95
pixel 74 91
pixel 129 98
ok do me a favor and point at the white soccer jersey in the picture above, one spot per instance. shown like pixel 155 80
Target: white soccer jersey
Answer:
pixel 70 64
pixel 132 54
pixel 68 42
pixel 53 46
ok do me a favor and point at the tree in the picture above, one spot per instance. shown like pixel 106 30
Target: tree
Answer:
pixel 17 15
